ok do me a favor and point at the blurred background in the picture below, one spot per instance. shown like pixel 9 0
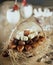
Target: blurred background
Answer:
pixel 35 2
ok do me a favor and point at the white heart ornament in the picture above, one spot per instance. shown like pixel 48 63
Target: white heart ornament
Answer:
pixel 27 11
pixel 13 16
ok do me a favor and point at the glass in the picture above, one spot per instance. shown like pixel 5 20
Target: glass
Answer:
pixel 16 57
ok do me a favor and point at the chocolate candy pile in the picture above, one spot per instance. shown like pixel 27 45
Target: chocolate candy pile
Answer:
pixel 21 45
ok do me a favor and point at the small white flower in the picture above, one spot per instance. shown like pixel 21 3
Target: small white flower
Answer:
pixel 25 38
pixel 32 35
pixel 22 37
pixel 19 35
